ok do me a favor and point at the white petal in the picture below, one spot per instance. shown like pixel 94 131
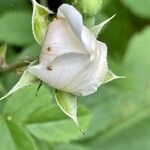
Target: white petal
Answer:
pixel 89 41
pixel 63 70
pixel 92 75
pixel 75 20
pixel 60 40
pixel 73 17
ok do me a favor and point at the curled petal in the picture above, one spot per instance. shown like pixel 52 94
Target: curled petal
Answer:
pixel 73 17
pixel 90 42
pixel 75 20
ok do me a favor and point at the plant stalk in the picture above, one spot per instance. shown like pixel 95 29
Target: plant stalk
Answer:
pixel 15 66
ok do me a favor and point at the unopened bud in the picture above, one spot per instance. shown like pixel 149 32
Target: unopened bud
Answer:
pixel 88 8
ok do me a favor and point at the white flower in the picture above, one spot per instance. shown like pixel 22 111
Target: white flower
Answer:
pixel 72 59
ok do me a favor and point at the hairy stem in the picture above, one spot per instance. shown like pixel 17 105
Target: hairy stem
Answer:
pixel 15 66
pixel 90 21
pixel 43 2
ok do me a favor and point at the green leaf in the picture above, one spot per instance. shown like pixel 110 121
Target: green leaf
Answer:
pixel 138 54
pixel 21 105
pixel 15 28
pixel 133 138
pixel 124 22
pixel 138 7
pixel 52 125
pixel 40 21
pixel 68 104
pixel 32 51
pixel 97 28
pixel 111 76
pixel 71 146
pixel 13 6
pixel 2 89
pixel 25 80
pixel 41 117
pixel 14 136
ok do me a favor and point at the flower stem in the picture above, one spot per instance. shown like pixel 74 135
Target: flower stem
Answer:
pixel 43 2
pixel 15 66
pixel 90 21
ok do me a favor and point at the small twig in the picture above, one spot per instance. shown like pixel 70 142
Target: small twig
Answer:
pixel 15 66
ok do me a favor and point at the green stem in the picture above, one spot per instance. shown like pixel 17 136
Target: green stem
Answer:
pixel 43 2
pixel 90 21
pixel 15 66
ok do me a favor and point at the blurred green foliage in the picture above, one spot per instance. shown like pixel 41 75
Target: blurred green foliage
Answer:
pixel 120 110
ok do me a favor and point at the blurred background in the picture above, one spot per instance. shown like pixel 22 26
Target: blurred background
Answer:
pixel 119 111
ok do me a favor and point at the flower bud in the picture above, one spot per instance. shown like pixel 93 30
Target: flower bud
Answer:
pixel 88 8
pixel 72 59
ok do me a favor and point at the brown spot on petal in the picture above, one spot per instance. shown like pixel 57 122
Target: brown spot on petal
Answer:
pixel 49 49
pixel 58 18
pixel 49 68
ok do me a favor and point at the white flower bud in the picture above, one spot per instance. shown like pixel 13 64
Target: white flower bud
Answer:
pixel 72 59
